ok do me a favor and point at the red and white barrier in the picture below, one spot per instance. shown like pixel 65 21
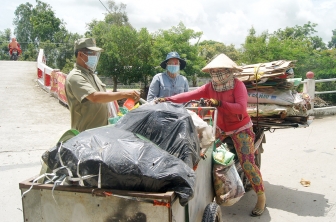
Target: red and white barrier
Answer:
pixel 51 80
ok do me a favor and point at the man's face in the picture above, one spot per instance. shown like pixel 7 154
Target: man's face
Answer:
pixel 90 59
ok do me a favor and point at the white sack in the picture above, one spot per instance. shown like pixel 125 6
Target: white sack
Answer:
pixel 273 96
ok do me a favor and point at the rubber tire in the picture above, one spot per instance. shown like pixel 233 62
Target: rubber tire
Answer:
pixel 212 213
pixel 13 57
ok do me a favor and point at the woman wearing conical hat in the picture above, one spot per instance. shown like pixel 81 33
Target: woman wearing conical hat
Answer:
pixel 229 95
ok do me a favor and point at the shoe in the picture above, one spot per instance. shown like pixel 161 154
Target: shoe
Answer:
pixel 256 212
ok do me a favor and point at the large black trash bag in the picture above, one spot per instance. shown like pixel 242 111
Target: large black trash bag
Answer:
pixel 128 162
pixel 168 125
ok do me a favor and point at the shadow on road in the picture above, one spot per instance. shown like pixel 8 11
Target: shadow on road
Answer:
pixel 297 202
pixel 280 198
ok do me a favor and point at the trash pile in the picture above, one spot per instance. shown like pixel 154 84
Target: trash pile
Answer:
pixel 272 97
pixel 168 125
pixel 113 158
pixel 154 148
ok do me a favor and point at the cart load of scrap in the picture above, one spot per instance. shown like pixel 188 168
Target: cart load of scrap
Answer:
pixel 273 99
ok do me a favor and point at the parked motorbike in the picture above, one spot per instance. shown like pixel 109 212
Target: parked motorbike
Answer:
pixel 15 55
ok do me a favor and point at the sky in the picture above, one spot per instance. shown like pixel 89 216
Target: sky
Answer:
pixel 220 20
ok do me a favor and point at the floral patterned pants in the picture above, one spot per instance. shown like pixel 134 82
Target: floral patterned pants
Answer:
pixel 244 144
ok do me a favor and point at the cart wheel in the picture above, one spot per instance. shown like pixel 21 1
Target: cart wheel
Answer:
pixel 212 213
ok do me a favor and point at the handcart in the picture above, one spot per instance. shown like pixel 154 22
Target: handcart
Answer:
pixel 78 203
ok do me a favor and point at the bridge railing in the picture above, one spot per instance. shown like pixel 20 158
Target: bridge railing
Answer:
pixel 51 80
pixel 309 87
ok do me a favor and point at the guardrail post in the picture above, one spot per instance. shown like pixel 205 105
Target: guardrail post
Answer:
pixel 309 88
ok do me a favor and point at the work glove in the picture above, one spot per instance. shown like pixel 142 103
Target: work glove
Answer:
pixel 160 100
pixel 213 102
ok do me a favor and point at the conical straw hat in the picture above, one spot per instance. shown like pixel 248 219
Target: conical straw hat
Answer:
pixel 221 61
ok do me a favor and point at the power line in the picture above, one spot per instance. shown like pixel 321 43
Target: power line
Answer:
pixel 105 7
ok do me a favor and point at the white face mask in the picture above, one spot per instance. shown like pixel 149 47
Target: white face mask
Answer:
pixel 92 61
pixel 173 69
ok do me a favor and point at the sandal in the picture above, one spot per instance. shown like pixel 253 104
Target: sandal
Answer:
pixel 256 212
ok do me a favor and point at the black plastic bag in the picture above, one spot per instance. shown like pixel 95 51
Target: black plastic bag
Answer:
pixel 169 125
pixel 128 162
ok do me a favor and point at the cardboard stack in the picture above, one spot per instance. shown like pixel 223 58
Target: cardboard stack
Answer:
pixel 272 97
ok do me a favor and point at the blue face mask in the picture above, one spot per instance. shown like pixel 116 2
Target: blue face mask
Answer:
pixel 173 69
pixel 92 62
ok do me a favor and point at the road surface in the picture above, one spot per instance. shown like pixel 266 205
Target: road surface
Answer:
pixel 31 121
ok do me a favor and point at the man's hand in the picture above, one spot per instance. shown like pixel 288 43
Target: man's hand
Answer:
pixel 136 96
pixel 213 102
pixel 160 100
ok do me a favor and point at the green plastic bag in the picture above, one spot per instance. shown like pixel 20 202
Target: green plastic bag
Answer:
pixel 122 112
pixel 68 135
pixel 114 120
pixel 222 156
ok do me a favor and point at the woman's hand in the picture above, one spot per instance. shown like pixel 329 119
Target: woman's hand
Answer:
pixel 160 100
pixel 213 102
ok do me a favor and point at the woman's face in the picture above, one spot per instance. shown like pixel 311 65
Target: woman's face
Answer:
pixel 220 75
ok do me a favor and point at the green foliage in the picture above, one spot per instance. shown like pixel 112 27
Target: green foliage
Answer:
pixel 5 37
pixel 39 28
pixel 178 39
pixel 209 49
pixel 293 44
pixel 121 46
pixel 44 22
pixel 117 14
pixel 323 64
pixel 23 27
pixel 332 43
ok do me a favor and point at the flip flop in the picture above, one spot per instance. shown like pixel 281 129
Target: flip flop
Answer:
pixel 256 212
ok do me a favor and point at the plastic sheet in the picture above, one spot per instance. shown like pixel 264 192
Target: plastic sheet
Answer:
pixel 169 125
pixel 126 162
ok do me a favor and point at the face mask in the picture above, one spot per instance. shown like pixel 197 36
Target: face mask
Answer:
pixel 92 62
pixel 174 69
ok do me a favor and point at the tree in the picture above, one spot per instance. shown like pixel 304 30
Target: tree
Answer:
pixel 332 43
pixel 119 41
pixel 289 44
pixel 254 50
pixel 44 22
pixel 304 32
pixel 178 39
pixel 209 49
pixel 38 27
pixel 323 64
pixel 5 37
pixel 23 27
pixel 144 65
pixel 35 25
pixel 117 14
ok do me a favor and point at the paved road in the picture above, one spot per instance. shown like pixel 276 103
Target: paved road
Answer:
pixel 31 121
